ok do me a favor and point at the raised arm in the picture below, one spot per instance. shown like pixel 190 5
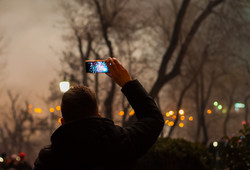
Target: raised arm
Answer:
pixel 146 130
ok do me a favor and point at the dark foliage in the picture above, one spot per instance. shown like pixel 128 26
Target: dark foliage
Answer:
pixel 175 154
pixel 234 153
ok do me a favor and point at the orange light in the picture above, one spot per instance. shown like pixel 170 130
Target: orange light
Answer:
pixel 174 117
pixel 181 112
pixel 131 113
pixel 181 124
pixel 29 106
pixel 60 120
pixel 58 108
pixel 171 123
pixel 209 111
pixel 191 118
pixel 166 122
pixel 171 113
pixel 52 110
pixel 121 113
pixel 38 110
pixel 167 114
pixel 182 117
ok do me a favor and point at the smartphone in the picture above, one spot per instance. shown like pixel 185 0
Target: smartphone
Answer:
pixel 96 66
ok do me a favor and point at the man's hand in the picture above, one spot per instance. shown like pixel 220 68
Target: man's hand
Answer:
pixel 117 72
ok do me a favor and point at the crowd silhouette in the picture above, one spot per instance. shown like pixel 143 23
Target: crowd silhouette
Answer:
pixel 14 162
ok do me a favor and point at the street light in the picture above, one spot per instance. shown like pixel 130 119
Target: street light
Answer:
pixel 215 144
pixel 64 86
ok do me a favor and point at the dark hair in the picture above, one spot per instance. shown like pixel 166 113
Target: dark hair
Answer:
pixel 78 102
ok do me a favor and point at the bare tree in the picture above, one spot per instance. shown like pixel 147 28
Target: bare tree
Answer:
pixel 194 73
pixel 229 107
pixel 19 126
pixel 164 77
pixel 105 24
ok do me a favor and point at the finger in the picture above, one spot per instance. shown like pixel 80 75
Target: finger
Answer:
pixel 117 63
pixel 113 65
pixel 109 64
pixel 107 61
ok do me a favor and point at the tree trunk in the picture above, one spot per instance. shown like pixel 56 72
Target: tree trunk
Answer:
pixel 197 101
pixel 162 78
pixel 177 110
pixel 83 57
pixel 246 108
pixel 108 103
pixel 230 104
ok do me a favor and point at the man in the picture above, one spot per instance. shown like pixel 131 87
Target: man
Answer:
pixel 87 141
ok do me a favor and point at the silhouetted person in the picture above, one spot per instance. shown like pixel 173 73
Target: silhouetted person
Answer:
pixel 87 141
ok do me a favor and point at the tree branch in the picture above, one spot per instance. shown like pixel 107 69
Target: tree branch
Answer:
pixel 175 37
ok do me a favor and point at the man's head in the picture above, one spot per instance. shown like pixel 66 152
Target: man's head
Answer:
pixel 77 103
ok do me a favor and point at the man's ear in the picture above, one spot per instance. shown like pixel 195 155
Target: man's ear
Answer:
pixel 62 121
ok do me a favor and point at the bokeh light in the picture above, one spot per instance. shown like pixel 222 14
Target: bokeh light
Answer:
pixel 171 123
pixel 38 110
pixel 209 111
pixel 58 108
pixel 191 118
pixel 121 113
pixel 171 113
pixel 29 108
pixel 60 120
pixel 131 113
pixel 52 110
pixel 215 144
pixel 182 117
pixel 181 112
pixel 215 103
pixel 181 124
pixel 167 114
pixel 64 86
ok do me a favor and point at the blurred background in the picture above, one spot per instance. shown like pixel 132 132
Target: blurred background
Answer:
pixel 191 56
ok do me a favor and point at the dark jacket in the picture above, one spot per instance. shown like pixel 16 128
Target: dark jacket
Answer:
pixel 96 143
